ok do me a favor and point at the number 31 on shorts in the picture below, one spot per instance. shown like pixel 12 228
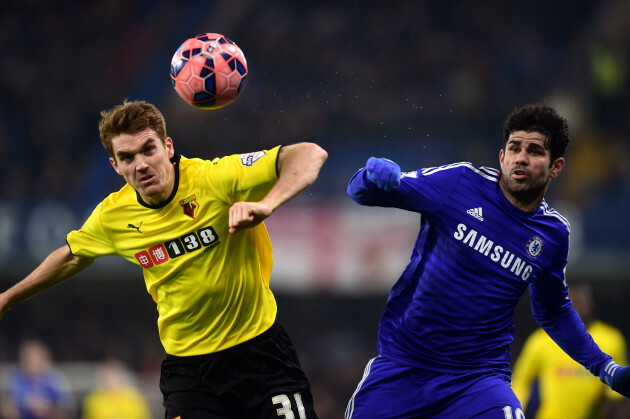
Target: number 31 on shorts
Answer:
pixel 285 411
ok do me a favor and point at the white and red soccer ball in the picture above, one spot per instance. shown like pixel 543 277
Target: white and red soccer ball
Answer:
pixel 208 71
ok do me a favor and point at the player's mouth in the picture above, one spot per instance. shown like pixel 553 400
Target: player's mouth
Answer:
pixel 146 179
pixel 520 174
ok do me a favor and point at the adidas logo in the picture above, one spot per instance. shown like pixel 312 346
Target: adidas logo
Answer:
pixel 476 212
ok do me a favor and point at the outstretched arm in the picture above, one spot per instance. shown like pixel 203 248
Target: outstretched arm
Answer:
pixel 569 332
pixel 298 167
pixel 60 265
pixel 379 175
pixel 617 377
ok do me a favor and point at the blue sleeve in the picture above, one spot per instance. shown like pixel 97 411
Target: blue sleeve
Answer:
pixel 364 192
pixel 553 311
pixel 417 192
pixel 571 335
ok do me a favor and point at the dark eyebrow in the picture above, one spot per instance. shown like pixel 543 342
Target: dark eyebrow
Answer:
pixel 148 142
pixel 123 154
pixel 535 145
pixel 530 145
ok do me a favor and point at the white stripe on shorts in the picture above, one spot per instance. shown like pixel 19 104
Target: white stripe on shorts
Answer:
pixel 350 408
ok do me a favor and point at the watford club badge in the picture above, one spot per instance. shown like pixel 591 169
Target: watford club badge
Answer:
pixel 190 206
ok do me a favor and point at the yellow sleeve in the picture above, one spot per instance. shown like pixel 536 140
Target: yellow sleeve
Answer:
pixel 527 367
pixel 244 177
pixel 91 240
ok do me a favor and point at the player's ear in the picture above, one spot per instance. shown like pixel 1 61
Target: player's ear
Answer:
pixel 168 143
pixel 114 165
pixel 501 156
pixel 556 167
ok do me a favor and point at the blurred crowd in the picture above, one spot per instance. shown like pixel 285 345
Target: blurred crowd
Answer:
pixel 422 83
pixel 37 387
pixel 418 81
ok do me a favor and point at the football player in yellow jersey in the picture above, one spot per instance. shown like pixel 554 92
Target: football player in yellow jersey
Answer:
pixel 564 389
pixel 115 395
pixel 195 228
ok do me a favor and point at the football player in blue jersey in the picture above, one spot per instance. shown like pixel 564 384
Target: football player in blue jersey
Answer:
pixel 485 237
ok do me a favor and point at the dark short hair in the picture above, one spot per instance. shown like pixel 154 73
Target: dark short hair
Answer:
pixel 539 118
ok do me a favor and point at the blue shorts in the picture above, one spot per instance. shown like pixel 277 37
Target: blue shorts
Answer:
pixel 389 390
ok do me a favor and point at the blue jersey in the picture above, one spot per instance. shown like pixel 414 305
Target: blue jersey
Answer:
pixel 475 255
pixel 46 389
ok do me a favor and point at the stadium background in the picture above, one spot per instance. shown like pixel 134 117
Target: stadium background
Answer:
pixel 424 83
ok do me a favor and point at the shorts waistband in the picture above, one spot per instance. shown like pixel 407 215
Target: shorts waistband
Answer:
pixel 253 341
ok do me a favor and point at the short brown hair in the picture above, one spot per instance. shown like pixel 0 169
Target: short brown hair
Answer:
pixel 130 117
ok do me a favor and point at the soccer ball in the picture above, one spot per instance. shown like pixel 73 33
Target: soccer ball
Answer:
pixel 208 71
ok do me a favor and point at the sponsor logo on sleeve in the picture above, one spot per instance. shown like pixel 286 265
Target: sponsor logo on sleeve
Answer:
pixel 249 159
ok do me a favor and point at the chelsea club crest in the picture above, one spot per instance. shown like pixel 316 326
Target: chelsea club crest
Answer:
pixel 534 247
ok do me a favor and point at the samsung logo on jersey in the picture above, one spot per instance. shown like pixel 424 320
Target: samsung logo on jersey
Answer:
pixel 495 252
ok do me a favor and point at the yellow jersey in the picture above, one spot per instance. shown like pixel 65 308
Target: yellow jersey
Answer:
pixel 123 403
pixel 211 287
pixel 567 389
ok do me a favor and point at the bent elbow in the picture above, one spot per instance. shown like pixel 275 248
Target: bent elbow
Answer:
pixel 358 194
pixel 322 154
pixel 352 193
pixel 317 152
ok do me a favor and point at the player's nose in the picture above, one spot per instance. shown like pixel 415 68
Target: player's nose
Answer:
pixel 521 159
pixel 141 164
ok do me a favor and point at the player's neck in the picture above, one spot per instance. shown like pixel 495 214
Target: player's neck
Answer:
pixel 165 193
pixel 525 202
